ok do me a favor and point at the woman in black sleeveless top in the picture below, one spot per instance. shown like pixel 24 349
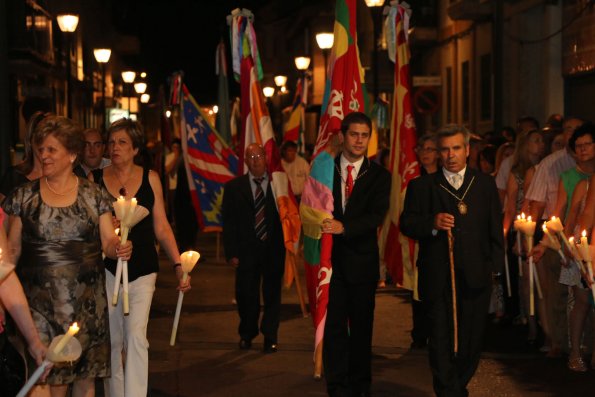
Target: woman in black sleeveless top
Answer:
pixel 124 178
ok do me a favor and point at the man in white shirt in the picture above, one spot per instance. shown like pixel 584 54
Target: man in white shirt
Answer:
pixel 295 166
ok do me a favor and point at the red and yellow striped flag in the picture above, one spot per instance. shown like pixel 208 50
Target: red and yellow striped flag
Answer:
pixel 397 250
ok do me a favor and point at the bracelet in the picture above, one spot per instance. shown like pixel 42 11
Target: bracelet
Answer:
pixel 176 265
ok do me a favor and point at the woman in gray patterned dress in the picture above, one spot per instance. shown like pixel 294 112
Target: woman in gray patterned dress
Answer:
pixel 59 225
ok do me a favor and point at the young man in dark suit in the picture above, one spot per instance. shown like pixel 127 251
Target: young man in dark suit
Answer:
pixel 253 242
pixel 361 195
pixel 464 202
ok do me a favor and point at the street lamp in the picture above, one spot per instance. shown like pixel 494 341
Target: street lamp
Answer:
pixel 67 24
pixel 268 91
pixel 128 77
pixel 140 87
pixel 280 80
pixel 102 56
pixel 302 63
pixel 144 98
pixel 325 42
pixel 376 8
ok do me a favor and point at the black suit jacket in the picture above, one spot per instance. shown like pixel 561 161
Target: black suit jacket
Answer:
pixel 478 247
pixel 355 252
pixel 239 237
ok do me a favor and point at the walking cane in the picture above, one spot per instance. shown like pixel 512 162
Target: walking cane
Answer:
pixel 454 292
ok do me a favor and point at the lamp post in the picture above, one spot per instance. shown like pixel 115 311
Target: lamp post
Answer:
pixel 376 8
pixel 128 77
pixel 140 88
pixel 67 24
pixel 325 42
pixel 102 56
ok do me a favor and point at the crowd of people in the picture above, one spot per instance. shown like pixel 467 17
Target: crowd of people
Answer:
pixel 58 229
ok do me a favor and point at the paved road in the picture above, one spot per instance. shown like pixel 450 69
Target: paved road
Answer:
pixel 207 362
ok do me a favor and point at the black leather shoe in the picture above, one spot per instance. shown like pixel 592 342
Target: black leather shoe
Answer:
pixel 245 344
pixel 269 347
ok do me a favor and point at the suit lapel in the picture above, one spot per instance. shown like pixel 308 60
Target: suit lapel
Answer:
pixel 246 190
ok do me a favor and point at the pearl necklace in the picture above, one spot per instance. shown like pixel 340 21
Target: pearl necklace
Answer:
pixel 76 184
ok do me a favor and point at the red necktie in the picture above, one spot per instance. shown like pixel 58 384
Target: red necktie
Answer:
pixel 348 183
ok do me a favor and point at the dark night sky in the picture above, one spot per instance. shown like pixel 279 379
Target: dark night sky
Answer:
pixel 183 35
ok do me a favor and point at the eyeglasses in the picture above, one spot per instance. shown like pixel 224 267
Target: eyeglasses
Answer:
pixel 255 156
pixel 585 145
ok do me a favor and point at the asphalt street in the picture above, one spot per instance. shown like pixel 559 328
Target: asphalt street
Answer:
pixel 206 360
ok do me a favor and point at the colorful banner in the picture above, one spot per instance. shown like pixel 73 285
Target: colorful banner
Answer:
pixel 396 250
pixel 295 125
pixel 345 93
pixel 209 163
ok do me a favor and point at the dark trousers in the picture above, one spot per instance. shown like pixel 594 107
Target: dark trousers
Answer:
pixel 451 373
pixel 347 348
pixel 263 272
pixel 419 332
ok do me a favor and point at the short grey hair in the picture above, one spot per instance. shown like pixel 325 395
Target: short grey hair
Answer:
pixel 453 129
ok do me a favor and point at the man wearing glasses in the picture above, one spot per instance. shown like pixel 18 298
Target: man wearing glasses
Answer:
pixel 93 154
pixel 254 246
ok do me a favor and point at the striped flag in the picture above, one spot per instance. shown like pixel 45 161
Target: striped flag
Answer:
pixel 397 250
pixel 257 128
pixel 209 163
pixel 344 93
pixel 294 127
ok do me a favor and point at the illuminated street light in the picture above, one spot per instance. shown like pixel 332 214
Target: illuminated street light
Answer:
pixel 68 22
pixel 302 63
pixel 128 76
pixel 374 3
pixel 102 56
pixel 325 42
pixel 283 90
pixel 168 113
pixel 375 6
pixel 143 75
pixel 280 80
pixel 144 98
pixel 215 109
pixel 140 87
pixel 268 91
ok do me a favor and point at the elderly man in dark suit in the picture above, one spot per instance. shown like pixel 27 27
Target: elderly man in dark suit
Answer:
pixel 464 202
pixel 253 242
pixel 361 194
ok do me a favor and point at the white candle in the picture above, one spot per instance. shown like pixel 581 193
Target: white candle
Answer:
pixel 583 247
pixel 74 328
pixel 188 260
pixel 555 225
pixel 125 302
